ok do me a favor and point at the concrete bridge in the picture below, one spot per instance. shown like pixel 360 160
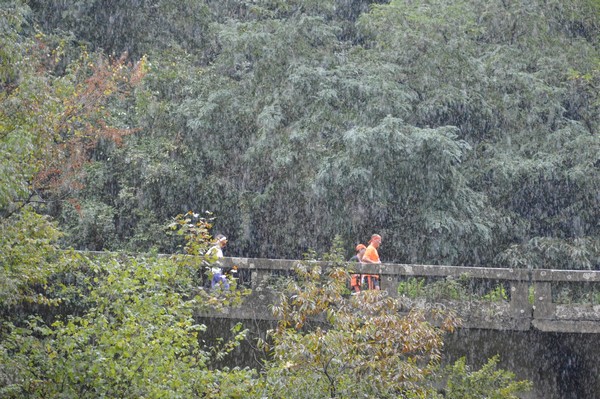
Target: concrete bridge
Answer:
pixel 543 300
pixel 545 329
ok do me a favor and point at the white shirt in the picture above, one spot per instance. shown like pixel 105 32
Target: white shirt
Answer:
pixel 216 250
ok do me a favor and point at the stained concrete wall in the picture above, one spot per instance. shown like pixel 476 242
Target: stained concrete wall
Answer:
pixel 553 345
pixel 530 304
pixel 560 365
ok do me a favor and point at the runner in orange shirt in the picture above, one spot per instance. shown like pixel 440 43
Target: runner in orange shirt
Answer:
pixel 355 280
pixel 371 281
pixel 371 255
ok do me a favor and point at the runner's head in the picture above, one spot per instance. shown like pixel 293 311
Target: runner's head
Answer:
pixel 221 240
pixel 375 240
pixel 360 251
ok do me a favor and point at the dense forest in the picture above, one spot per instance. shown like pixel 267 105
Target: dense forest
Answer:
pixel 464 132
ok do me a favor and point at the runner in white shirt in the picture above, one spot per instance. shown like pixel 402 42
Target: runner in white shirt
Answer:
pixel 217 250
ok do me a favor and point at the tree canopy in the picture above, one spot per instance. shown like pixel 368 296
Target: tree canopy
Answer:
pixel 462 132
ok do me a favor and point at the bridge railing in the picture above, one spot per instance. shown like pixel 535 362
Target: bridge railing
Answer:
pixel 533 297
pixel 544 299
pixel 566 300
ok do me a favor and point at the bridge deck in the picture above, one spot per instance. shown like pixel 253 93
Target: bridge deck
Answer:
pixel 535 299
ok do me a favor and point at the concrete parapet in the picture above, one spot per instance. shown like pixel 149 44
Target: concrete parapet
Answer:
pixel 530 304
pixel 533 294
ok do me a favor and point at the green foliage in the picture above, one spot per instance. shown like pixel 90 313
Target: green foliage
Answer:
pixel 29 257
pixel 412 288
pixel 582 293
pixel 194 230
pixel 424 161
pixel 531 295
pixel 356 346
pixel 330 345
pixel 23 360
pixel 553 253
pixel 449 289
pixel 498 294
pixel 131 27
pixel 137 338
pixel 488 382
pixel 14 148
pixel 124 326
pixel 55 111
pixel 91 225
pixel 465 132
